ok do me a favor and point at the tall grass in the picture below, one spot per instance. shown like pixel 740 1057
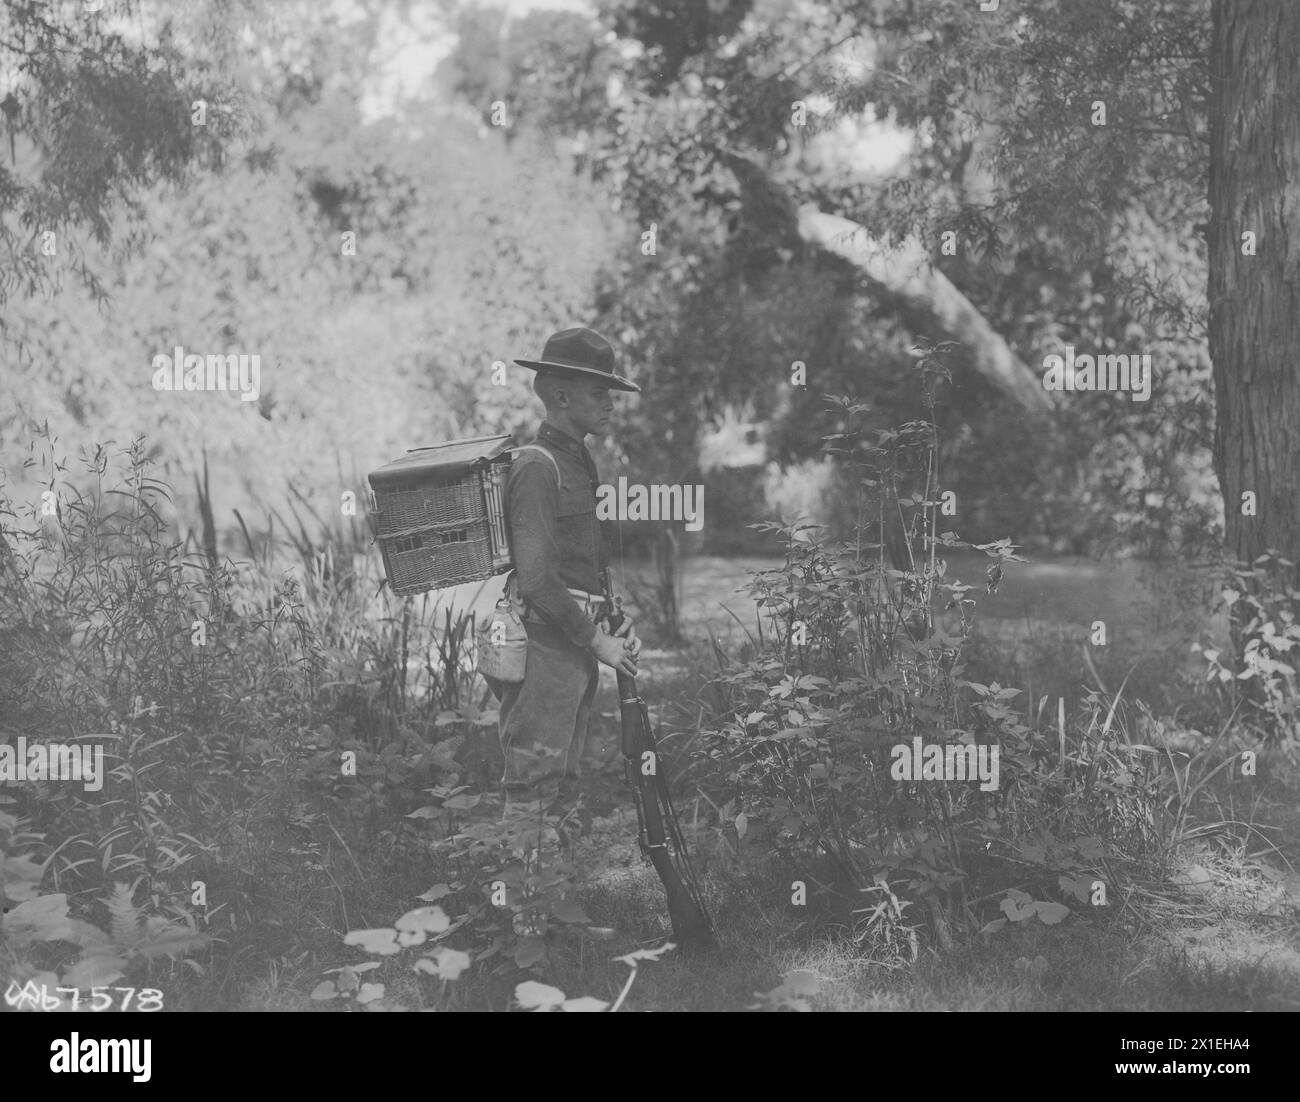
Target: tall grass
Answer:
pixel 231 691
pixel 228 692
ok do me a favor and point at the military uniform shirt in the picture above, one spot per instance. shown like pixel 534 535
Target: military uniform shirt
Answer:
pixel 554 534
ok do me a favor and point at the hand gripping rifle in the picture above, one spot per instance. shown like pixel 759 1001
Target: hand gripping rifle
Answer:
pixel 658 831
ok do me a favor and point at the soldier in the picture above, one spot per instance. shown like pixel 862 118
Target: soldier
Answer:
pixel 560 560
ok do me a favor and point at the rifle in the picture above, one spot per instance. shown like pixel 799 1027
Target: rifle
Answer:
pixel 659 834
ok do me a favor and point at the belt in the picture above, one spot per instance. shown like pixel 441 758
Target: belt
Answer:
pixel 590 603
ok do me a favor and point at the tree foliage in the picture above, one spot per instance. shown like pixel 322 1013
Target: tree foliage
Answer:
pixel 464 253
pixel 95 104
pixel 700 139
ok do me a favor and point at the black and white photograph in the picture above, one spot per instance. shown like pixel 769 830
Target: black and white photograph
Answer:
pixel 650 506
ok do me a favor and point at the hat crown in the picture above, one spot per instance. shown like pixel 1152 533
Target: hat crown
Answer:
pixel 579 347
pixel 580 352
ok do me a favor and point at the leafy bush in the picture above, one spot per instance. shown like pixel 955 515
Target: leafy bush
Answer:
pixel 529 887
pixel 240 709
pixel 35 933
pixel 415 930
pixel 866 655
pixel 1263 603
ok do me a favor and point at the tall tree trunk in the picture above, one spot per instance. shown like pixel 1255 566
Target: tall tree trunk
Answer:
pixel 1255 299
pixel 1254 288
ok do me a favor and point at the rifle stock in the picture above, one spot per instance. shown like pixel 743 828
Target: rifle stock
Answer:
pixel 658 832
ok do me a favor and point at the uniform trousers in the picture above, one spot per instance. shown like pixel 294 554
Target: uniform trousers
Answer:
pixel 544 720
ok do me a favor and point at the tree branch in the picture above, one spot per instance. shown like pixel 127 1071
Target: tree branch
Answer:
pixel 906 273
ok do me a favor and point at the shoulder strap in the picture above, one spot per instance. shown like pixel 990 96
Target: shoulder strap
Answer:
pixel 512 594
pixel 538 448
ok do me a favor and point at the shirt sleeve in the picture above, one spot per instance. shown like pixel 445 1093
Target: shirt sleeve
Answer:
pixel 532 498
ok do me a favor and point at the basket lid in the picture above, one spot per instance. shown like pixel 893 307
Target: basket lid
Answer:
pixel 451 460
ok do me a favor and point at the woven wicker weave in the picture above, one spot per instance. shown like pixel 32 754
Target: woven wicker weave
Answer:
pixel 438 514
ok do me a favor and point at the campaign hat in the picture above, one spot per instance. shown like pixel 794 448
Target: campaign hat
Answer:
pixel 582 352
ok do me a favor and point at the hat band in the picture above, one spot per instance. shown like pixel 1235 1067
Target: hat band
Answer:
pixel 560 365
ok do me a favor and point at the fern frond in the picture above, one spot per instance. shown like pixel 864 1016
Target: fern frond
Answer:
pixel 124 916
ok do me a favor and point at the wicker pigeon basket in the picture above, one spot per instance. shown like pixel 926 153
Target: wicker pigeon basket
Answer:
pixel 438 514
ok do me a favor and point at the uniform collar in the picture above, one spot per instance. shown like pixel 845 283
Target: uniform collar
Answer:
pixel 562 440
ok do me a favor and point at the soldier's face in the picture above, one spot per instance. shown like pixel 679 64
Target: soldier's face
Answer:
pixel 591 405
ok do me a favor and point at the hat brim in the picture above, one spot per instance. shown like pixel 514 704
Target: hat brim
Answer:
pixel 616 382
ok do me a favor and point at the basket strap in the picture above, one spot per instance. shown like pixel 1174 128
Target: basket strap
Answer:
pixel 538 448
pixel 559 478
